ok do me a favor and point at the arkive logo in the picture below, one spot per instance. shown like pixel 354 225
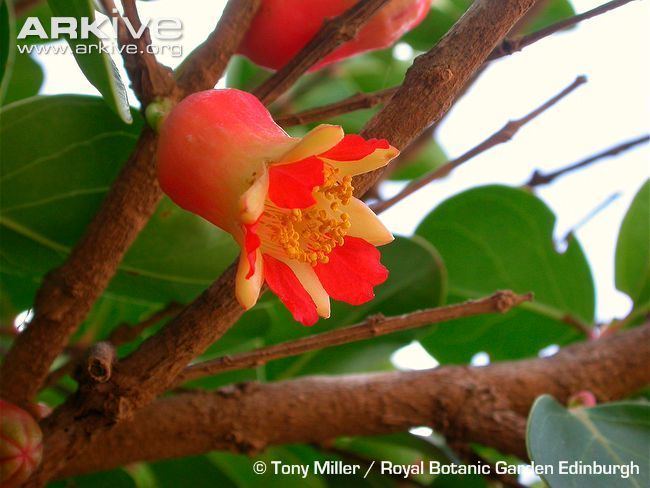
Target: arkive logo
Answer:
pixel 164 28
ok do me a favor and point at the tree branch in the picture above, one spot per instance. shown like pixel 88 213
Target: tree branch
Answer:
pixel 333 33
pixel 540 179
pixel 373 326
pixel 205 65
pixel 487 405
pixel 506 133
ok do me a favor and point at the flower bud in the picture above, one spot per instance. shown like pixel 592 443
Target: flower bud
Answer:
pixel 281 28
pixel 21 447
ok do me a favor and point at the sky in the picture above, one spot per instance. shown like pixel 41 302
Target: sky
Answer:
pixel 611 50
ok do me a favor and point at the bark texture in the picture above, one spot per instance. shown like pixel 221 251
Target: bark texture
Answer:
pixel 487 405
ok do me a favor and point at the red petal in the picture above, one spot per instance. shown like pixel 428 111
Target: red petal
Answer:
pixel 251 244
pixel 354 147
pixel 285 285
pixel 352 272
pixel 292 185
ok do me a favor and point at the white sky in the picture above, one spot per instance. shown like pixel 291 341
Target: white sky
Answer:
pixel 612 50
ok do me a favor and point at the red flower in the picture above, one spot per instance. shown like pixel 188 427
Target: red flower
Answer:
pixel 21 447
pixel 287 25
pixel 287 202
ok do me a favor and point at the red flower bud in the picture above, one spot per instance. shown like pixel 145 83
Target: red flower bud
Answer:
pixel 281 28
pixel 287 202
pixel 21 447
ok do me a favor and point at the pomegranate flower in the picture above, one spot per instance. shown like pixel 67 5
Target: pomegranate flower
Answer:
pixel 287 202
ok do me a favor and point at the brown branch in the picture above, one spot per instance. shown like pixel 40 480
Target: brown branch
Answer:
pixel 505 134
pixel 350 104
pixel 68 293
pixel 205 65
pixel 539 179
pixel 428 90
pixel 374 326
pixel 100 361
pixel 372 99
pixel 333 33
pixel 511 46
pixel 486 405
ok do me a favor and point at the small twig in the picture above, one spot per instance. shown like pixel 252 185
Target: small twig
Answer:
pixel 510 46
pixel 373 326
pixel 125 333
pixel 503 135
pixel 350 104
pixel 592 213
pixel 99 362
pixel 333 33
pixel 203 67
pixel 369 100
pixel 539 179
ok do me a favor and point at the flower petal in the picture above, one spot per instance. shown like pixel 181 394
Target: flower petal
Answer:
pixel 308 279
pixel 247 285
pixel 352 272
pixel 252 243
pixel 284 283
pixel 251 203
pixel 377 159
pixel 316 141
pixel 292 185
pixel 365 224
pixel 354 147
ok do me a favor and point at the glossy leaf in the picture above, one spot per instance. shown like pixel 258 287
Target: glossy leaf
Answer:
pixel 493 238
pixel 633 250
pixel 97 66
pixel 607 435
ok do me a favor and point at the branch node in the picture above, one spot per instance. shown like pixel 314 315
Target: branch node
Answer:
pixel 100 361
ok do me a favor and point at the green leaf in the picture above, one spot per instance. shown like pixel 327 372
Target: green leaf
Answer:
pixel 25 80
pixel 97 66
pixel 633 250
pixel 416 281
pixel 607 435
pixel 7 45
pixel 52 189
pixel 493 238
pixel 430 157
